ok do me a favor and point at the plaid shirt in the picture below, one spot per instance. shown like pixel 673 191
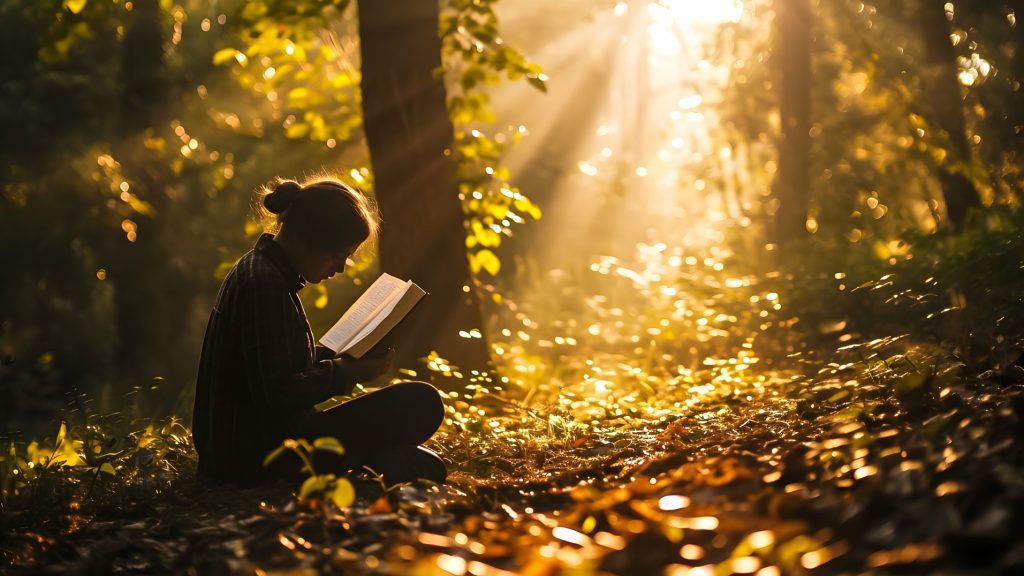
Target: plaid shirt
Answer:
pixel 260 370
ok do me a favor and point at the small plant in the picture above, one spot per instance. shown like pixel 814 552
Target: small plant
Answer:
pixel 317 488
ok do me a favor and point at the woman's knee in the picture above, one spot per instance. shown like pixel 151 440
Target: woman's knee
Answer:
pixel 424 400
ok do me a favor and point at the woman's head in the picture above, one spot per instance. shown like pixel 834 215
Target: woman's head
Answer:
pixel 320 222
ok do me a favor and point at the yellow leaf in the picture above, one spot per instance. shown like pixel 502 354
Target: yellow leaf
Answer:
pixel 67 454
pixel 315 484
pixel 61 433
pixel 297 97
pixel 37 454
pixel 343 494
pixel 524 205
pixel 140 206
pixel 224 55
pixel 75 6
pixel 329 444
pixel 154 144
pixel 252 228
pixel 488 261
pixel 273 455
pixel 881 250
pixel 254 10
pixel 297 130
pixel 222 270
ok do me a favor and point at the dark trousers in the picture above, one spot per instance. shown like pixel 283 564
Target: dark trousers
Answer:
pixel 382 430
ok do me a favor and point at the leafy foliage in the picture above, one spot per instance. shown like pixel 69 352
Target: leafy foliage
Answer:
pixel 91 471
pixel 476 57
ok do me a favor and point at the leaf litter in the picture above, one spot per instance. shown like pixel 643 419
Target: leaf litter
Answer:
pixel 894 465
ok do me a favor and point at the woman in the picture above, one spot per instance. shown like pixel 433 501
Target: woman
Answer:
pixel 261 372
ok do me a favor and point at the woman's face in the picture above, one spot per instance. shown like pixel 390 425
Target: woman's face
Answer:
pixel 320 265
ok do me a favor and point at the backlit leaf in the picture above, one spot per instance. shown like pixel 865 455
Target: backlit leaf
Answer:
pixel 321 299
pixel 273 455
pixel 297 130
pixel 315 484
pixel 224 55
pixel 344 493
pixel 75 6
pixel 487 261
pixel 329 444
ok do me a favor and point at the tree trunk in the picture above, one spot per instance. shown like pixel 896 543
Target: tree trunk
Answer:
pixel 791 188
pixel 409 135
pixel 946 108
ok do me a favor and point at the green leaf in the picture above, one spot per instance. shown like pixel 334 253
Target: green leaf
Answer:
pixel 75 6
pixel 315 484
pixel 344 494
pixel 273 455
pixel 108 468
pixel 329 444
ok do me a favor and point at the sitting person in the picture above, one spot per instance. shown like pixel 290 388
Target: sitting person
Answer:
pixel 261 372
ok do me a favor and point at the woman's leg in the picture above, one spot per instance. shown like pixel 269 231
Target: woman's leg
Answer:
pixel 381 430
pixel 407 464
pixel 403 414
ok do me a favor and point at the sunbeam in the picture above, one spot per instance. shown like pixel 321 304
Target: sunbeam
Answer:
pixel 622 146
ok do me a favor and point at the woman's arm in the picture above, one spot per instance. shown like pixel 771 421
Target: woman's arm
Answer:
pixel 272 338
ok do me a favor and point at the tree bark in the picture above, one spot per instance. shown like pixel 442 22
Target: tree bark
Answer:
pixel 946 109
pixel 793 57
pixel 409 135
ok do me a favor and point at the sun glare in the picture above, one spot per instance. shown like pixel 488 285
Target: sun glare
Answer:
pixel 669 19
pixel 701 11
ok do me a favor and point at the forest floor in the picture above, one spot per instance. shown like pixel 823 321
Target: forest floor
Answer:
pixel 894 464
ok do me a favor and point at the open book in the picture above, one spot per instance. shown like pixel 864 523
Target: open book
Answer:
pixel 374 314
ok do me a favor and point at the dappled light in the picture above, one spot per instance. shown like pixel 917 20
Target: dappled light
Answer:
pixel 712 287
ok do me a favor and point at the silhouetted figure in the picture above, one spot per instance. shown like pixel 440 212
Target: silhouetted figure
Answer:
pixel 261 371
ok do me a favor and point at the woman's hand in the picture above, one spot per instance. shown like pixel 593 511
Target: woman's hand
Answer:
pixel 370 367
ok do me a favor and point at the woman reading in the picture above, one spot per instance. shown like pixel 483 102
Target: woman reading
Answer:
pixel 261 372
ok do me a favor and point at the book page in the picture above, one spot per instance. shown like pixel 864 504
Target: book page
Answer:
pixel 385 321
pixel 379 317
pixel 377 296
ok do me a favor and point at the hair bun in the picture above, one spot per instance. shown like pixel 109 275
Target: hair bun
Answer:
pixel 282 197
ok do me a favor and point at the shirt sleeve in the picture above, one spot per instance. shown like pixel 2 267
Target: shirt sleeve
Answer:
pixel 269 337
pixel 325 353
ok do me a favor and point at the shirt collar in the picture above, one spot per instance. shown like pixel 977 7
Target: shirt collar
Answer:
pixel 275 253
